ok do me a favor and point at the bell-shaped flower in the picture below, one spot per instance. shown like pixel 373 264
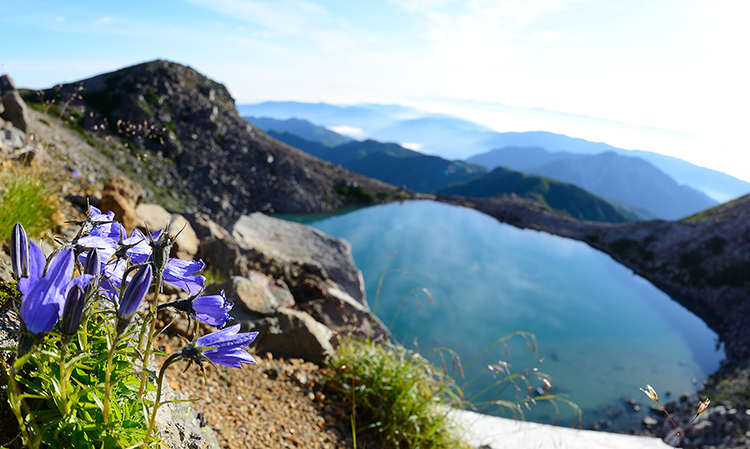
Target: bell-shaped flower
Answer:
pixel 210 309
pixel 225 347
pixel 43 299
pixel 183 274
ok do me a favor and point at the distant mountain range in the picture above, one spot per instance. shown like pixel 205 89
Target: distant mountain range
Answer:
pixel 397 165
pixel 558 195
pixel 455 138
pixel 388 162
pixel 630 181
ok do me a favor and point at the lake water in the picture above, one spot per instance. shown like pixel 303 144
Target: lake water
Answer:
pixel 602 331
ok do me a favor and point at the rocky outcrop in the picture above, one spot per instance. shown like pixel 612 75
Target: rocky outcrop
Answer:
pixel 121 196
pixel 307 277
pixel 189 130
pixel 312 252
pixel 14 109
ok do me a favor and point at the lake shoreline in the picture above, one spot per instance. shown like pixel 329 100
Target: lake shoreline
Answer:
pixel 697 261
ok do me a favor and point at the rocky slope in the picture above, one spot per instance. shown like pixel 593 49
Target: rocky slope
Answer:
pixel 183 132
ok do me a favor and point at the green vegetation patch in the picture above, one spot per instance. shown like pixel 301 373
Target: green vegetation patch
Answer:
pixel 396 395
pixel 29 198
pixel 355 194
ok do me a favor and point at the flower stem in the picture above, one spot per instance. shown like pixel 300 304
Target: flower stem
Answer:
pixel 108 377
pixel 150 335
pixel 16 404
pixel 157 403
pixel 64 376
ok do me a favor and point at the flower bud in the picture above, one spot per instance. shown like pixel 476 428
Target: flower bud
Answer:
pixel 133 296
pixel 73 310
pixel 19 252
pixel 93 264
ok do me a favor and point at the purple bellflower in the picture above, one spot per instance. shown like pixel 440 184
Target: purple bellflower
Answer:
pixel 224 347
pixel 43 299
pixel 133 296
pixel 211 309
pixel 135 292
pixel 44 296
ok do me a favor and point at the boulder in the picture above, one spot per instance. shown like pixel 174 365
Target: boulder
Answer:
pixel 255 294
pixel 342 314
pixel 10 138
pixel 152 217
pixel 6 84
pixel 297 247
pixel 121 196
pixel 217 248
pixel 15 111
pixel 291 334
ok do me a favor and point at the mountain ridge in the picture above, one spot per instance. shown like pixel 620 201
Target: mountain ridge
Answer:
pixel 187 127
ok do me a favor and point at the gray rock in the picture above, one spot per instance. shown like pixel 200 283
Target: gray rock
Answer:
pixel 292 334
pixel 15 111
pixel 217 248
pixel 256 294
pixel 650 421
pixel 6 84
pixel 10 138
pixel 342 314
pixel 294 243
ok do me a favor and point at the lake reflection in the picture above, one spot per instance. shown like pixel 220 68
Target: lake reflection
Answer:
pixel 602 331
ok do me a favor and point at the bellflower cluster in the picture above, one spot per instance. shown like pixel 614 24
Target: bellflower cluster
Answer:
pixel 82 300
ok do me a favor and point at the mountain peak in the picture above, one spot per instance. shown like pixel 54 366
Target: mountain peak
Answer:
pixel 186 130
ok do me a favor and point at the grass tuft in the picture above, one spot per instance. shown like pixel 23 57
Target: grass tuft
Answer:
pixel 29 198
pixel 397 394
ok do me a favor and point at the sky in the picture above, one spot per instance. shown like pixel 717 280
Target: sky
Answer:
pixel 669 76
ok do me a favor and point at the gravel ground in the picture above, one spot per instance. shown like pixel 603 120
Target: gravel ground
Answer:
pixel 273 404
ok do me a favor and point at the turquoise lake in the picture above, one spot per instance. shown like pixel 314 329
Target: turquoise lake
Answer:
pixel 602 332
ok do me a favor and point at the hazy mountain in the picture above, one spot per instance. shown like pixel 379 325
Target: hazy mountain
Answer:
pixel 564 197
pixel 389 162
pixel 629 180
pixel 455 138
pixel 301 128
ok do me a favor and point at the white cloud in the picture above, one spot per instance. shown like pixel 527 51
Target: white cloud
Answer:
pixel 414 146
pixel 346 130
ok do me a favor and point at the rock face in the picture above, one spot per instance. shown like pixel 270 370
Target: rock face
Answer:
pixel 122 196
pixel 263 238
pixel 189 127
pixel 303 291
pixel 14 109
